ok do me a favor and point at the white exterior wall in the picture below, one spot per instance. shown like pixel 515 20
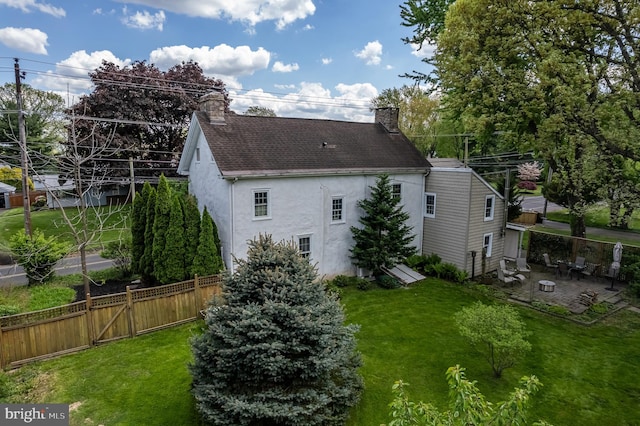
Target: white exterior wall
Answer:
pixel 299 206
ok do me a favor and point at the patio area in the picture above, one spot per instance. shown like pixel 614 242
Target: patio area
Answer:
pixel 567 292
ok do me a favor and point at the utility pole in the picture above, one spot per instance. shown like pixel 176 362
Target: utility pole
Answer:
pixel 24 159
pixel 132 177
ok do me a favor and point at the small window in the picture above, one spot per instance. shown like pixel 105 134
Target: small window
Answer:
pixel 337 211
pixel 396 191
pixel 261 204
pixel 197 154
pixel 429 205
pixel 487 243
pixel 489 205
pixel 304 245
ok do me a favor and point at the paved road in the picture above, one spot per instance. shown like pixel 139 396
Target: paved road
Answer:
pixel 14 274
pixel 536 203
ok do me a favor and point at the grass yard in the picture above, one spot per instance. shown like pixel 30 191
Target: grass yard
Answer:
pixel 588 373
pixel 50 222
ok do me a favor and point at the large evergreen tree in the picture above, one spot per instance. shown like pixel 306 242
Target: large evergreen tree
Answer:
pixel 207 259
pixel 384 238
pixel 171 269
pixel 191 232
pixel 278 352
pixel 138 225
pixel 161 221
pixel 146 262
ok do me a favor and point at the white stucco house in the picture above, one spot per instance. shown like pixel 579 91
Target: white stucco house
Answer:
pixel 297 179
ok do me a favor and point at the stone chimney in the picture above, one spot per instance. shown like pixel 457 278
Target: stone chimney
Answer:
pixel 388 117
pixel 213 104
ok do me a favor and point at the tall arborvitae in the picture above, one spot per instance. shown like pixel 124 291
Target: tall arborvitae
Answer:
pixel 172 269
pixel 138 225
pixel 161 224
pixel 146 262
pixel 278 351
pixel 384 239
pixel 207 260
pixel 191 232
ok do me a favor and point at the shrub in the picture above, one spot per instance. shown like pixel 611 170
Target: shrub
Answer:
pixel 37 255
pixel 340 281
pixel 559 310
pixel 363 284
pixel 527 185
pixel 385 281
pixel 416 261
pixel 120 252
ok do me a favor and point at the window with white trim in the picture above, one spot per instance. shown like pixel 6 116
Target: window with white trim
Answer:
pixel 337 210
pixel 489 206
pixel 396 191
pixel 429 204
pixel 304 246
pixel 261 208
pixel 487 243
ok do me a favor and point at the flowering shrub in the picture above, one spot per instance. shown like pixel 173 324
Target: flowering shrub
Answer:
pixel 528 185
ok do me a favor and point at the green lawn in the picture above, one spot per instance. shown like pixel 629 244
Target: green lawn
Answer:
pixel 51 223
pixel 589 373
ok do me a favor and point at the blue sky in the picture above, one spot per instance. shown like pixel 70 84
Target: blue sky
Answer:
pixel 301 58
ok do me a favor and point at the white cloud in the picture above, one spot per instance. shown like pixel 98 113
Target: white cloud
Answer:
pixel 427 50
pixel 312 100
pixel 326 61
pixel 72 74
pixel 222 61
pixel 249 11
pixel 28 6
pixel 144 20
pixel 371 53
pixel 308 27
pixel 24 39
pixel 280 67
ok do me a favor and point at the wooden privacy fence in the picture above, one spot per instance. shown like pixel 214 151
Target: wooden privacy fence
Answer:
pixel 65 329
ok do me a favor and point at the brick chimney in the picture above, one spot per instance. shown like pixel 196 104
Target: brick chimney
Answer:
pixel 213 104
pixel 388 117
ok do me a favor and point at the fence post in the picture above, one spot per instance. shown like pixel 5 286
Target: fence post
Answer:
pixel 92 335
pixel 130 316
pixel 197 294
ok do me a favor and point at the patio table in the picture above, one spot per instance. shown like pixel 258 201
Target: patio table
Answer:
pixel 577 268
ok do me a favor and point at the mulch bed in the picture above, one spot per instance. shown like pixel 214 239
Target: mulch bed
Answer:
pixel 109 287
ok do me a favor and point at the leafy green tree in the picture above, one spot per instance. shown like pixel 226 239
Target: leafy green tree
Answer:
pixel 384 239
pixel 146 261
pixel 495 331
pixel 278 352
pixel 417 117
pixel 260 111
pixel 37 254
pixel 467 405
pixel 191 231
pixel 138 226
pixel 161 221
pixel 44 125
pixel 207 260
pixel 171 269
pixel 13 176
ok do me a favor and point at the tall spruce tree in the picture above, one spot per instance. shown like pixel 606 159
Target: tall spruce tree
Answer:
pixel 191 232
pixel 161 221
pixel 138 226
pixel 384 238
pixel 146 262
pixel 207 260
pixel 278 352
pixel 172 269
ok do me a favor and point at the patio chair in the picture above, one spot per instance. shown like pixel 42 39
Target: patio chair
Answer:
pixel 510 279
pixel 610 273
pixel 580 261
pixel 563 270
pixel 523 267
pixel 550 266
pixel 590 270
pixel 505 270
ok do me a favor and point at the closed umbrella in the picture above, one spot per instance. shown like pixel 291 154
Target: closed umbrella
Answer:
pixel 617 257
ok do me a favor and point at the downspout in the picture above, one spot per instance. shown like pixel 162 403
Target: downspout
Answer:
pixel 232 227
pixel 507 189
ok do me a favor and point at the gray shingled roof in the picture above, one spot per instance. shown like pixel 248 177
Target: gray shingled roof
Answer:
pixel 253 145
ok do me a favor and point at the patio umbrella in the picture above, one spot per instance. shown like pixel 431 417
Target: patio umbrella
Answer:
pixel 615 265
